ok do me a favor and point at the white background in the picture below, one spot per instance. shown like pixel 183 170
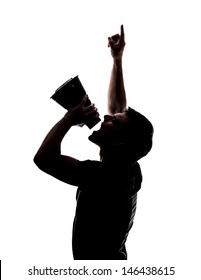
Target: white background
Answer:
pixel 44 43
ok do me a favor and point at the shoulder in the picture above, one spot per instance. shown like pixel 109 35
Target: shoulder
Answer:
pixel 88 168
pixel 89 164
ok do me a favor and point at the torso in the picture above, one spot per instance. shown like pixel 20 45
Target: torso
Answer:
pixel 105 210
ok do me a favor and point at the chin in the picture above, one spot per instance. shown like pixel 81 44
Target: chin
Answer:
pixel 94 138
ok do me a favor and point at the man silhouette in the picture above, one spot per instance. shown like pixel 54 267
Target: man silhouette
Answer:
pixel 107 189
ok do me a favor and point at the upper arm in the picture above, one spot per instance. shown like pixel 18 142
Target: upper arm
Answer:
pixel 63 168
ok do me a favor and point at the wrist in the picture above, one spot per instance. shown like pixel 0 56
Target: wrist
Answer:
pixel 117 60
pixel 68 118
pixel 71 119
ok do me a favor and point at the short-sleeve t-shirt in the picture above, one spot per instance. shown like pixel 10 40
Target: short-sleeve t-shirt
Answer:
pixel 106 204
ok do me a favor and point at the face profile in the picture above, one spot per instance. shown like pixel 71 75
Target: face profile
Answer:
pixel 125 136
pixel 112 128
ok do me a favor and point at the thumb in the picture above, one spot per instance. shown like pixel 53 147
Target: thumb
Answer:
pixel 84 99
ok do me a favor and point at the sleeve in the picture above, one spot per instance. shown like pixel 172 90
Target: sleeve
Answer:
pixel 138 177
pixel 88 172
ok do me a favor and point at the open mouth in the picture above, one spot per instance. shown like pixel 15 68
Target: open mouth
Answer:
pixel 99 126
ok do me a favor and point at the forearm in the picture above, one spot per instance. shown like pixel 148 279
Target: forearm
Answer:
pixel 51 145
pixel 116 91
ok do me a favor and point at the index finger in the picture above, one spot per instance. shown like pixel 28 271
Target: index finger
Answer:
pixel 122 33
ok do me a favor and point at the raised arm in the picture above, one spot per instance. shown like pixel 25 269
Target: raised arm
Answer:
pixel 116 91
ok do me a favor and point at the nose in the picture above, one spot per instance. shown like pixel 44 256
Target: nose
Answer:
pixel 107 118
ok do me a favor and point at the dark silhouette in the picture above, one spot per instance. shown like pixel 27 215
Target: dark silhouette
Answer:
pixel 107 189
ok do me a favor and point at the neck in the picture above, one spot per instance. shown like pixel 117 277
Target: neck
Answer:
pixel 112 157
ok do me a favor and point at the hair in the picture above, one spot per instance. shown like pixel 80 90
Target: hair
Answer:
pixel 138 135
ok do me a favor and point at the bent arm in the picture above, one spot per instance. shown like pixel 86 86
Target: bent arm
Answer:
pixel 49 159
pixel 116 92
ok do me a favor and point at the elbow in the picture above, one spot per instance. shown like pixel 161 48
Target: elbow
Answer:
pixel 37 160
pixel 45 162
pixel 40 161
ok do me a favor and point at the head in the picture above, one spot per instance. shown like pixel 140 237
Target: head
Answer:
pixel 126 136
